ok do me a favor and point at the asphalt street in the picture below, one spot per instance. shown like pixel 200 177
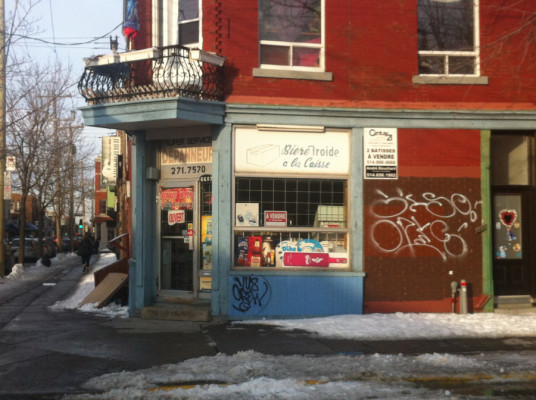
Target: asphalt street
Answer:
pixel 45 354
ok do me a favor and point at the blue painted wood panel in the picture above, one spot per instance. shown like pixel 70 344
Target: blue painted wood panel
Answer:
pixel 296 296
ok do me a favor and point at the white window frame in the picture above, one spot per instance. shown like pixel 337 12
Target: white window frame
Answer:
pixel 165 13
pixel 292 45
pixel 475 54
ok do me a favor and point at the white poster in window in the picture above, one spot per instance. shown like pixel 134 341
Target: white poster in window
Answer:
pixel 247 214
pixel 318 153
pixel 380 147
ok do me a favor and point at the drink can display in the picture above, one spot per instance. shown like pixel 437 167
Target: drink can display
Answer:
pixel 242 251
pixel 268 252
pixel 255 251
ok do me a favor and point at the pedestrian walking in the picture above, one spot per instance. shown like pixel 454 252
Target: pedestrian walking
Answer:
pixel 96 246
pixel 85 251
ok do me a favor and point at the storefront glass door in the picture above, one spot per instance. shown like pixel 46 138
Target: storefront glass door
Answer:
pixel 178 250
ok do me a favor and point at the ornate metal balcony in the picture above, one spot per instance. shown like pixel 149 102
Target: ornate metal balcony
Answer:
pixel 172 71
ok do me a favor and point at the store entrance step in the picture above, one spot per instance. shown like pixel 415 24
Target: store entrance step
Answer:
pixel 519 304
pixel 177 312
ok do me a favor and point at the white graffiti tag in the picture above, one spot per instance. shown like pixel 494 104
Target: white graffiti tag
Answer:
pixel 404 222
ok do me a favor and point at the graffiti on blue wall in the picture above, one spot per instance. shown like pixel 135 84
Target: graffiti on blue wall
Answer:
pixel 250 293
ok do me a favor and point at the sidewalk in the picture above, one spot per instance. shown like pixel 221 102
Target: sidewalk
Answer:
pixel 230 338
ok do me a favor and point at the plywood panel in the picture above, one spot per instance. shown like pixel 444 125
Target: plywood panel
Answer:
pixel 106 289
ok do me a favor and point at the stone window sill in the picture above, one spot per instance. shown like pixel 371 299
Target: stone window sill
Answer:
pixel 450 80
pixel 287 74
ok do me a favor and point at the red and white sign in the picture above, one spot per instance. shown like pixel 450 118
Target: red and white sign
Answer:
pixel 311 259
pixel 275 218
pixel 7 192
pixel 177 198
pixel 176 217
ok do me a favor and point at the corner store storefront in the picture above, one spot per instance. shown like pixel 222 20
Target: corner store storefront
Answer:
pixel 437 152
pixel 287 204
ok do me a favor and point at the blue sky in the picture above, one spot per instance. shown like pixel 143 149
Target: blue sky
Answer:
pixel 74 21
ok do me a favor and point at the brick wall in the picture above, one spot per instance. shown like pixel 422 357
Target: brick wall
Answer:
pixel 421 229
pixel 371 48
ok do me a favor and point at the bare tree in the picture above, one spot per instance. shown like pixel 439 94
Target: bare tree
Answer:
pixel 36 104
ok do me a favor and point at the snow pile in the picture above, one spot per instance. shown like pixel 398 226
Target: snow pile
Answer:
pixel 17 272
pixel 412 326
pixel 257 376
pixel 21 273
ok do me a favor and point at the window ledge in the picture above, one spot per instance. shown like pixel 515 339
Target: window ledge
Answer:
pixel 270 271
pixel 450 80
pixel 286 74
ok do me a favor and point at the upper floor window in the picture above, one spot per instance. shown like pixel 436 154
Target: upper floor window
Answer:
pixel 291 34
pixel 448 37
pixel 177 22
pixel 102 207
pixel 188 22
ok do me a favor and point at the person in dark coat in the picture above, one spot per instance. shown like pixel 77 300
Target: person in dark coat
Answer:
pixel 85 251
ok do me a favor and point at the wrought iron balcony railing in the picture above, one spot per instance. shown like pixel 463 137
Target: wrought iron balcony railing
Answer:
pixel 172 71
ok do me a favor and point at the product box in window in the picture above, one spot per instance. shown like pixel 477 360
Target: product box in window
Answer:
pixel 268 251
pixel 242 251
pixel 255 258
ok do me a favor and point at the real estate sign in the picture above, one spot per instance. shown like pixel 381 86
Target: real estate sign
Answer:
pixel 380 153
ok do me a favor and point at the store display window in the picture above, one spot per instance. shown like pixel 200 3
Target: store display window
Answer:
pixel 291 197
pixel 291 223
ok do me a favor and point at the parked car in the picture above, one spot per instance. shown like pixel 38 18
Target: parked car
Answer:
pixel 66 243
pixel 31 248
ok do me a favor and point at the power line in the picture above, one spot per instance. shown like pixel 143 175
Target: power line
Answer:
pixel 52 24
pixel 54 43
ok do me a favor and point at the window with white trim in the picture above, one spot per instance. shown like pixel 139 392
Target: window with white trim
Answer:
pixel 448 37
pixel 177 22
pixel 291 34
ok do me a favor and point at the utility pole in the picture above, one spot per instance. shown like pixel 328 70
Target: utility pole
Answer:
pixel 59 208
pixel 2 135
pixel 71 189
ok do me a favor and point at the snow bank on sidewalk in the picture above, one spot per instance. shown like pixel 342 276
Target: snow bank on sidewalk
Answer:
pixel 412 326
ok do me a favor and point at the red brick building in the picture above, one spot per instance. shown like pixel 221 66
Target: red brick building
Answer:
pixel 392 140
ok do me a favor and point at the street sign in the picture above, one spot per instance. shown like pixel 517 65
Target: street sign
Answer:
pixel 7 192
pixel 11 163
